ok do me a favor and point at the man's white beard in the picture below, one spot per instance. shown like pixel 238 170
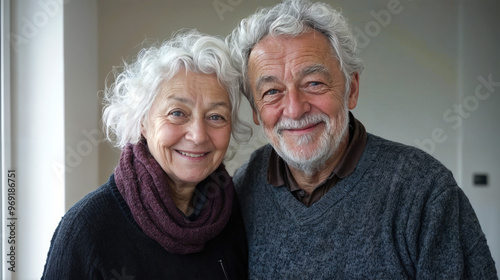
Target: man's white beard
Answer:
pixel 329 142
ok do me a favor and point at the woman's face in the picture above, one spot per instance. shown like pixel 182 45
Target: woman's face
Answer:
pixel 189 127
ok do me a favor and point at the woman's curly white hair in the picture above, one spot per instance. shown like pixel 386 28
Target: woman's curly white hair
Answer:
pixel 128 99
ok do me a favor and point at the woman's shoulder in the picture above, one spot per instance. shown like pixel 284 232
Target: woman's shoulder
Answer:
pixel 94 202
pixel 92 211
pixel 76 245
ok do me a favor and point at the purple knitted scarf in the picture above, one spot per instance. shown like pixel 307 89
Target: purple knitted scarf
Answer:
pixel 143 185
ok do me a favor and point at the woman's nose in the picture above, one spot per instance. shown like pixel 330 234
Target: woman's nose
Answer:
pixel 197 131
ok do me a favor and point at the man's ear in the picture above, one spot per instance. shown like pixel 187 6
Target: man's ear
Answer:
pixel 255 117
pixel 353 91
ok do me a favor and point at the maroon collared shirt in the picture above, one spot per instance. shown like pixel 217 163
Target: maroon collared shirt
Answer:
pixel 278 173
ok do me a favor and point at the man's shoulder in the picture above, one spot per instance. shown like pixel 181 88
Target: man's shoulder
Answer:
pixel 261 154
pixel 254 168
pixel 396 150
pixel 404 159
pixel 389 144
pixel 257 159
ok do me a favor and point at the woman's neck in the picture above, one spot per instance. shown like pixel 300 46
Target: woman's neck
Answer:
pixel 183 197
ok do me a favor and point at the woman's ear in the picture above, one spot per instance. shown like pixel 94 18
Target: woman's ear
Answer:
pixel 143 130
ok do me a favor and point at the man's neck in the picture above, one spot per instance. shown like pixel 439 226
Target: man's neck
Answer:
pixel 308 182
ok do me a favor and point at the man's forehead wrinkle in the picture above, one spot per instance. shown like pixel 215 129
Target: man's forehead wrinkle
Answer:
pixel 290 61
pixel 285 59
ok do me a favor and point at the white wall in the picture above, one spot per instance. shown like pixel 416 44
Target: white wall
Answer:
pixel 37 81
pixel 81 103
pixel 411 71
pixel 54 119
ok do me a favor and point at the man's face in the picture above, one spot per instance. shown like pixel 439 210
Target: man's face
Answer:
pixel 299 92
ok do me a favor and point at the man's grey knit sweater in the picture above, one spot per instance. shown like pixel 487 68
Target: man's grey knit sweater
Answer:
pixel 400 215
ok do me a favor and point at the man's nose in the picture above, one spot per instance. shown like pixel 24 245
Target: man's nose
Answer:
pixel 296 104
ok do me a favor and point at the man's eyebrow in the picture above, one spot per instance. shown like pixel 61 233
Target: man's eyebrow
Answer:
pixel 264 79
pixel 313 69
pixel 316 68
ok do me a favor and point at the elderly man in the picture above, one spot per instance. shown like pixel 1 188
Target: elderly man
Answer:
pixel 326 199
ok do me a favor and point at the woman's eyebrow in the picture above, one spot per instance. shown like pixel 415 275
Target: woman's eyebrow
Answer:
pixel 191 102
pixel 181 99
pixel 218 104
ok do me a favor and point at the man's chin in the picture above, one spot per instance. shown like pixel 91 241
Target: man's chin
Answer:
pixel 306 160
pixel 308 166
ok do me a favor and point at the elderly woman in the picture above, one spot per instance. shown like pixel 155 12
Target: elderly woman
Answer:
pixel 169 210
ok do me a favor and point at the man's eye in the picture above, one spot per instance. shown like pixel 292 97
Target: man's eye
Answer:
pixel 271 92
pixel 314 83
pixel 216 118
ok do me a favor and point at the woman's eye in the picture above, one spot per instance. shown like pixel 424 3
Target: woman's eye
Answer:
pixel 177 113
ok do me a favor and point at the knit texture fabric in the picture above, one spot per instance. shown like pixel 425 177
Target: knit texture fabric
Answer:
pixel 143 184
pixel 400 215
pixel 98 238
